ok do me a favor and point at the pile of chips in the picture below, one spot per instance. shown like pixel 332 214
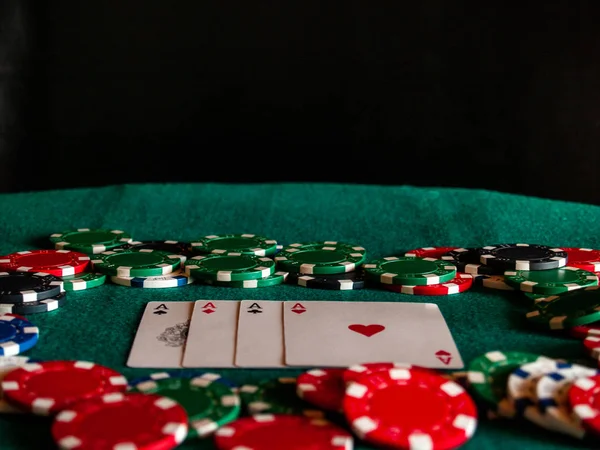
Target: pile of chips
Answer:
pixel 89 402
pixel 391 405
pixel 556 395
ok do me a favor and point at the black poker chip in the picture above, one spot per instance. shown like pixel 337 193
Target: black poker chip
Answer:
pixel 342 282
pixel 39 306
pixel 467 260
pixel 23 287
pixel 522 257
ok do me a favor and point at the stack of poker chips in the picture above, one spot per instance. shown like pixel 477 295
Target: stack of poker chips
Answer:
pixel 537 270
pixel 327 265
pixel 556 395
pixel 235 261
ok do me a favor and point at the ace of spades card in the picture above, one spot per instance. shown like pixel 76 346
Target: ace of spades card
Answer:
pixel 340 334
pixel 161 336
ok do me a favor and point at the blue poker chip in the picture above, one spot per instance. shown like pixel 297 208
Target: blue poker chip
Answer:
pixel 175 374
pixel 175 279
pixel 16 335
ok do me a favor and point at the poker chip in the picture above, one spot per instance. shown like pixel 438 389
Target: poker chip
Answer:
pixel 273 280
pixel 22 287
pixel 410 408
pixel 45 388
pixel 580 307
pixel 323 388
pixel 289 432
pixel 136 263
pixel 592 346
pixel 522 257
pixel 552 396
pixel 239 244
pixel 83 281
pixel 208 403
pixel 121 421
pixel 321 258
pixel 410 271
pixel 7 364
pixel 41 306
pixel 355 372
pixel 521 382
pixel 461 283
pixel 487 375
pixel 17 335
pixel 497 282
pixel 429 252
pixel 551 281
pixel 213 377
pixel 583 258
pixel 584 400
pixel 181 249
pixel 583 331
pixel 89 240
pixel 173 279
pixel 53 262
pixel 341 282
pixel 230 267
pixel 275 396
pixel 467 260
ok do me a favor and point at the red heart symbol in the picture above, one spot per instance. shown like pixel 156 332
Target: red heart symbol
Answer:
pixel 366 330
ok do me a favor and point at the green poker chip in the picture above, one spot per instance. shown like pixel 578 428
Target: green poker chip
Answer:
pixel 229 267
pixel 567 310
pixel 90 240
pixel 209 404
pixel 136 263
pixel 273 280
pixel 242 244
pixel 275 396
pixel 551 281
pixel 83 281
pixel 410 271
pixel 487 376
pixel 321 258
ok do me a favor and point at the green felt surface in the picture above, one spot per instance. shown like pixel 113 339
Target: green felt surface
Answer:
pixel 99 325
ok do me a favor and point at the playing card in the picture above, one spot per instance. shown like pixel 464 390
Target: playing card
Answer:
pixel 340 334
pixel 260 334
pixel 212 335
pixel 161 335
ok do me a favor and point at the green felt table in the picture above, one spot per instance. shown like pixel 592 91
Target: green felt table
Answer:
pixel 99 325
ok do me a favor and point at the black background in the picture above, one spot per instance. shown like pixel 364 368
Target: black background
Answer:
pixel 431 93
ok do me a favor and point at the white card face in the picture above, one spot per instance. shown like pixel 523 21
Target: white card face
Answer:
pixel 212 337
pixel 260 334
pixel 340 334
pixel 161 336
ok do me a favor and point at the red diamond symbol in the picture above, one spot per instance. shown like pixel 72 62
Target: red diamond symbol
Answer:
pixel 208 311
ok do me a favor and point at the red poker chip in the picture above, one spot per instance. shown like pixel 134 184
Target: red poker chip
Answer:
pixel 121 420
pixel 45 388
pixel 592 346
pixel 354 373
pixel 429 252
pixel 583 331
pixel 461 283
pixel 584 400
pixel 583 258
pixel 323 388
pixel 55 262
pixel 282 432
pixel 410 408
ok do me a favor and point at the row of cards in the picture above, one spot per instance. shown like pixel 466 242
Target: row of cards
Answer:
pixel 270 334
